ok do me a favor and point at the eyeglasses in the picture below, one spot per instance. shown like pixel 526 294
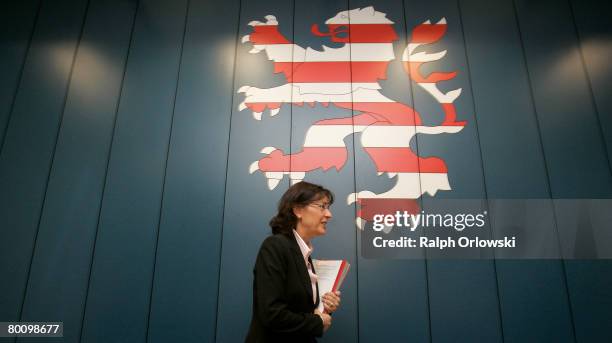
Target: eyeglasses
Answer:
pixel 322 207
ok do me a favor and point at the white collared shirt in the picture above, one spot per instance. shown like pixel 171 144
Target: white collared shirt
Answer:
pixel 306 250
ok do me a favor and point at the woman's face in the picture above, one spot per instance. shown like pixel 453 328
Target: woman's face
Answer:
pixel 313 218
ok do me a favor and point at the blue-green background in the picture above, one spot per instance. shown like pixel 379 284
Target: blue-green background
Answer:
pixel 127 210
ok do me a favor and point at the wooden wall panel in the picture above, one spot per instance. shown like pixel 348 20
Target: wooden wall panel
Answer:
pixel 404 282
pixel 249 204
pixel 590 281
pixel 571 132
pixel 120 284
pixel 591 19
pixel 532 294
pixel 17 20
pixel 566 115
pixel 29 143
pixel 340 240
pixel 62 257
pixel 455 286
pixel 184 302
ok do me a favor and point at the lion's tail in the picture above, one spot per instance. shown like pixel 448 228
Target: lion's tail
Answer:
pixel 423 34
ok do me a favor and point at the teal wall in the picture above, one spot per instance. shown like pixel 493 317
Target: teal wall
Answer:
pixel 127 210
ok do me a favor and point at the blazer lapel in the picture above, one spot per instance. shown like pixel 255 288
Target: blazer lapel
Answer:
pixel 301 266
pixel 316 284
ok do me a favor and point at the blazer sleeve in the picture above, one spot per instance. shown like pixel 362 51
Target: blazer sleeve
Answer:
pixel 270 280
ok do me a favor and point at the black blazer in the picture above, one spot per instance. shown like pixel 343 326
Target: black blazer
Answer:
pixel 282 295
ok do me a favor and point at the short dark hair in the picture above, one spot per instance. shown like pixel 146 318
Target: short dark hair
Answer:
pixel 298 195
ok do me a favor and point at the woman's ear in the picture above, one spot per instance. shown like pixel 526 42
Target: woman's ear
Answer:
pixel 297 211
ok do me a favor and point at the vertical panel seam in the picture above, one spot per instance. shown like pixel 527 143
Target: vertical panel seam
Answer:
pixel 416 140
pixel 590 85
pixel 20 76
pixel 229 139
pixel 543 152
pixel 348 8
pixel 108 154
pixel 163 190
pixel 484 178
pixel 294 44
pixel 52 160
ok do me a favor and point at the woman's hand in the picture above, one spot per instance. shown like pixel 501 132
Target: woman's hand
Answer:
pixel 326 318
pixel 331 301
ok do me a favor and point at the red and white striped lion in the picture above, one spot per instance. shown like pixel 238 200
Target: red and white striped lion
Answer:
pixel 347 77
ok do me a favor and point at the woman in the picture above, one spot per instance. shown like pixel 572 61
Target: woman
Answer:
pixel 285 291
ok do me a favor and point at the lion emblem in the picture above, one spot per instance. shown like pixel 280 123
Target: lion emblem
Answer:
pixel 347 77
